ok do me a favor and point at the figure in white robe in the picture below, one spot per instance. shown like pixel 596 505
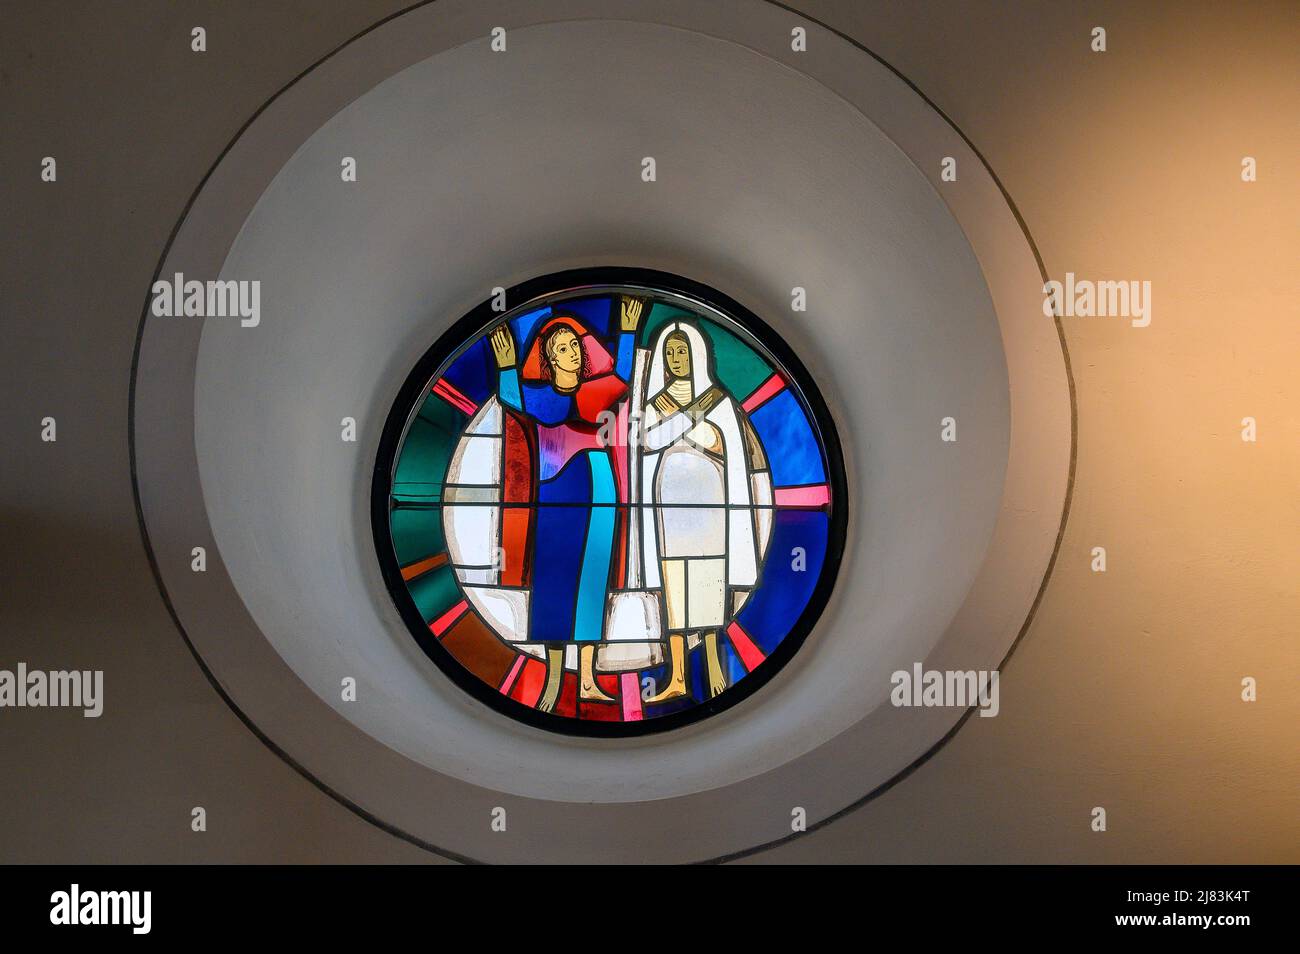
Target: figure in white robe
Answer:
pixel 700 536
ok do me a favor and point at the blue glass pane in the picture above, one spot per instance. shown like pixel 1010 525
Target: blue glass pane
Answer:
pixel 784 591
pixel 524 326
pixel 789 441
pixel 474 372
pixel 592 312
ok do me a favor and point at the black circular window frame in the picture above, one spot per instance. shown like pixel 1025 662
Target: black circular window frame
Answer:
pixel 478 321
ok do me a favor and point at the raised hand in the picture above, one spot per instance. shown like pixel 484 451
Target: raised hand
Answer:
pixel 631 313
pixel 503 346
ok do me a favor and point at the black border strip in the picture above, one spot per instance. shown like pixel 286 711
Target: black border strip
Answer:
pixel 601 280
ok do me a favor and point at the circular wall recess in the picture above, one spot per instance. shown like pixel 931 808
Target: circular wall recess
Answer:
pixel 779 177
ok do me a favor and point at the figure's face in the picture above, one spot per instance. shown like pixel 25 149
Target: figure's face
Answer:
pixel 677 354
pixel 565 351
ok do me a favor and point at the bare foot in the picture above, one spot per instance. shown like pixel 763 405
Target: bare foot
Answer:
pixel 554 677
pixel 713 665
pixel 593 693
pixel 547 702
pixel 674 690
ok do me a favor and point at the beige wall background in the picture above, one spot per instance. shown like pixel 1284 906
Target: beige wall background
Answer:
pixel 1125 692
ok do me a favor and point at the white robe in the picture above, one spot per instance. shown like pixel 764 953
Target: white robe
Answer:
pixel 668 444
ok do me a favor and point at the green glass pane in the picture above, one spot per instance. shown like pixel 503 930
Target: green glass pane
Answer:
pixel 739 367
pixel 659 314
pixel 427 451
pixel 435 592
pixel 417 533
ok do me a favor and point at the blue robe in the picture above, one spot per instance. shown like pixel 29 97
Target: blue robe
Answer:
pixel 577 497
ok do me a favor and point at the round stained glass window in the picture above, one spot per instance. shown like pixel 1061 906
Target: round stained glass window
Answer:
pixel 609 502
